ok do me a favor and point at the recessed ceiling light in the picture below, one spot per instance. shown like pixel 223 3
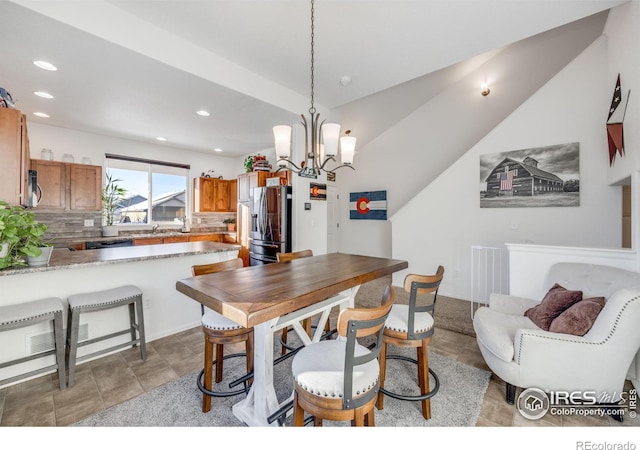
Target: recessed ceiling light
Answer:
pixel 41 114
pixel 217 149
pixel 45 65
pixel 203 113
pixel 43 94
pixel 160 138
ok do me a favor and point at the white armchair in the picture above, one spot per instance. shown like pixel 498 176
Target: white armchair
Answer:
pixel 524 355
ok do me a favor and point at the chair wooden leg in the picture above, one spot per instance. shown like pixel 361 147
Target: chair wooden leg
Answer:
pixel 382 358
pixel 369 419
pixel 423 376
pixel 219 359
pixel 284 340
pixel 208 374
pixel 298 412
pixel 358 417
pixel 249 352
pixel 317 421
pixel 306 324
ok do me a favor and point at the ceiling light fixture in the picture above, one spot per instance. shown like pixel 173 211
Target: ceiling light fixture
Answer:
pixel 317 152
pixel 41 114
pixel 43 94
pixel 160 138
pixel 203 113
pixel 45 65
pixel 485 90
pixel 217 149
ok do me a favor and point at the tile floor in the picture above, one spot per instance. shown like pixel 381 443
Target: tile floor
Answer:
pixel 113 379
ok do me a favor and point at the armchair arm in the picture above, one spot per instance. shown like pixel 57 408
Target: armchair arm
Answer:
pixel 559 361
pixel 510 304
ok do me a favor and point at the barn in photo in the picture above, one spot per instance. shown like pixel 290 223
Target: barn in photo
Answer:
pixel 514 178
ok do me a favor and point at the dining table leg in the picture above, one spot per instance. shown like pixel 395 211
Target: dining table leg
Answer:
pixel 261 401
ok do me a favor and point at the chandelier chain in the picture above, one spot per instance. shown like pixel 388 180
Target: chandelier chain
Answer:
pixel 312 110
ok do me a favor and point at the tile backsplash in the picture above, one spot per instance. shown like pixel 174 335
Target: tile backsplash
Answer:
pixel 66 224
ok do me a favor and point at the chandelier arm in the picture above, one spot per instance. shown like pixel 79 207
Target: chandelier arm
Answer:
pixel 339 167
pixel 326 160
pixel 288 161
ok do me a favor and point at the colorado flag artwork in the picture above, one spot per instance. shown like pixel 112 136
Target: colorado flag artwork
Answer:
pixel 368 205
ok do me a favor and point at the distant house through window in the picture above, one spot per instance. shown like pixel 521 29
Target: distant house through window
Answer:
pixel 156 190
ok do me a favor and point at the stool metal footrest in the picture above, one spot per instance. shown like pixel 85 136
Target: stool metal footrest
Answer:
pixel 413 398
pixel 206 391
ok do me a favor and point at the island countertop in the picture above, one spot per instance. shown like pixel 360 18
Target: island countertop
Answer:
pixel 62 259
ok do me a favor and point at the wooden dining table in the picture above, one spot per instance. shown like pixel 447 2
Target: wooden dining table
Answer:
pixel 274 296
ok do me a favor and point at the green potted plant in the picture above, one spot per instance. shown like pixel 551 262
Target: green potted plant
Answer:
pixel 112 196
pixel 231 223
pixel 21 237
pixel 248 164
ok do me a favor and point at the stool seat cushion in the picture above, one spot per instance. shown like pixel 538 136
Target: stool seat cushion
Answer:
pixel 214 321
pixel 98 298
pixel 11 314
pixel 319 369
pixel 398 320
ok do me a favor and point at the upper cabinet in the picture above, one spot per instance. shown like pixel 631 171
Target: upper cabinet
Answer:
pixel 69 186
pixel 250 180
pixel 214 195
pixel 14 156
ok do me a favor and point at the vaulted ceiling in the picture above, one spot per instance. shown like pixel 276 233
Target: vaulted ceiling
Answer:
pixel 140 69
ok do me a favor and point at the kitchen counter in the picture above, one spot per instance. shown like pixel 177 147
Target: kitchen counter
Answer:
pixel 155 269
pixel 71 240
pixel 62 259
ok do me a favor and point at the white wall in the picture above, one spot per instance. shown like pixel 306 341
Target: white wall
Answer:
pixel 440 224
pixel 409 155
pixel 81 144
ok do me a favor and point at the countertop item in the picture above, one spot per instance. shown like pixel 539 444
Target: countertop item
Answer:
pixel 63 259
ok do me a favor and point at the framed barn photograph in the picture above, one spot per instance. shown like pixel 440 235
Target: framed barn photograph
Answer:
pixel 534 177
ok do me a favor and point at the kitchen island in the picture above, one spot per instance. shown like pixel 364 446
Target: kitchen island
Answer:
pixel 153 268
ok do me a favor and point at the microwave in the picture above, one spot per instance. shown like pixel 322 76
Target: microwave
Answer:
pixel 34 192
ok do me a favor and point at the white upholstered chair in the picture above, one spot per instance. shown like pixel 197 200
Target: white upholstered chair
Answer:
pixel 524 355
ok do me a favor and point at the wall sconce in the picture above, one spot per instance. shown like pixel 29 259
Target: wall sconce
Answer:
pixel 485 90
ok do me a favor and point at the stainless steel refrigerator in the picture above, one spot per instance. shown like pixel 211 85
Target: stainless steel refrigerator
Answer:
pixel 270 224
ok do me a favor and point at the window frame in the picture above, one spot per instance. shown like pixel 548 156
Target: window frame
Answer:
pixel 150 163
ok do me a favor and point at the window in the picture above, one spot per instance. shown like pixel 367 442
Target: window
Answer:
pixel 156 191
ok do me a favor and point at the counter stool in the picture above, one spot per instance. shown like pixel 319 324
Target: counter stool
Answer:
pixel 29 313
pixel 99 301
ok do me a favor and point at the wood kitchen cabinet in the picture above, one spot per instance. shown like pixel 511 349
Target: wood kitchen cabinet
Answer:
pixel 206 237
pixel 52 178
pixel 174 239
pixel 213 195
pixel 250 180
pixel 148 241
pixel 14 156
pixel 68 186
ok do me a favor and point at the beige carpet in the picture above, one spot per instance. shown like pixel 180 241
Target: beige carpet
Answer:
pixel 450 313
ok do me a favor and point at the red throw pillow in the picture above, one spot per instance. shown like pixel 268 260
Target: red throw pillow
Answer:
pixel 578 318
pixel 552 305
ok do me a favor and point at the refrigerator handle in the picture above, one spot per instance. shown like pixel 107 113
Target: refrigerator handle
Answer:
pixel 263 212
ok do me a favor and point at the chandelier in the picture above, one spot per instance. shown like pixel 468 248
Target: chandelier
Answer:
pixel 321 140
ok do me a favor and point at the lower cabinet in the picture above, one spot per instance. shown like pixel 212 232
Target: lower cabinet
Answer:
pixel 148 241
pixel 174 239
pixel 217 237
pixel 206 237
